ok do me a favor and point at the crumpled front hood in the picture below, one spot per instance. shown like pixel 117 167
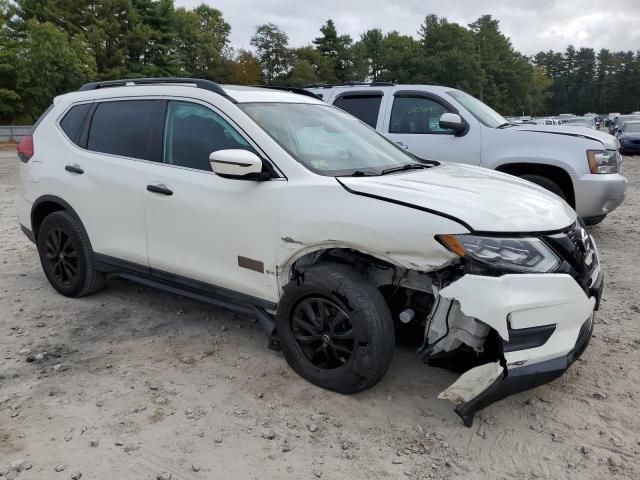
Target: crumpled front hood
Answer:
pixel 609 141
pixel 484 199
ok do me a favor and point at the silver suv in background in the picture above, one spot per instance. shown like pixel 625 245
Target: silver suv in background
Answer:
pixel 580 165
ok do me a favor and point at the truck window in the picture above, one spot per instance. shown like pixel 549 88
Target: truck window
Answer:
pixel 364 107
pixel 416 115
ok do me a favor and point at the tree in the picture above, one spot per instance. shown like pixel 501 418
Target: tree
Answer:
pixel 9 47
pixel 245 69
pixel 201 38
pixel 50 64
pixel 450 56
pixel 539 93
pixel 506 74
pixel 271 46
pixel 338 49
pixel 402 59
pixel 372 42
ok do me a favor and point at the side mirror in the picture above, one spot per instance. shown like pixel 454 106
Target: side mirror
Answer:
pixel 454 122
pixel 236 163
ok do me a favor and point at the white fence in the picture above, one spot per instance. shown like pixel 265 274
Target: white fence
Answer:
pixel 13 133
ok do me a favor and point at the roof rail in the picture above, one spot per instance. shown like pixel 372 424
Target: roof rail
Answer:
pixel 198 82
pixel 300 91
pixel 376 83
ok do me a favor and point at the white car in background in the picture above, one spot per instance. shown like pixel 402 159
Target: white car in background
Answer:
pixel 279 205
pixel 580 165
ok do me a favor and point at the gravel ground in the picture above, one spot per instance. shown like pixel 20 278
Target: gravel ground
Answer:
pixel 139 384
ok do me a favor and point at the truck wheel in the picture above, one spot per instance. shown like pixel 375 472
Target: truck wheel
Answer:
pixel 335 328
pixel 544 182
pixel 66 256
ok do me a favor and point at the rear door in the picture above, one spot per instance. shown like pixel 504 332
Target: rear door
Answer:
pixel 412 121
pixel 105 170
pixel 362 104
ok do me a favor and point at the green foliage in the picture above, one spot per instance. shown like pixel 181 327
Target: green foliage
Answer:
pixel 48 47
pixel 50 64
pixel 271 46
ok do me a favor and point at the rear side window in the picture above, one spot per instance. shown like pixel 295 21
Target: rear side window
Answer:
pixel 73 120
pixel 193 131
pixel 364 107
pixel 124 128
pixel 416 115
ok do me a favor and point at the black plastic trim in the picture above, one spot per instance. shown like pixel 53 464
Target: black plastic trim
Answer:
pixel 525 338
pixel 53 199
pixel 358 93
pixel 198 82
pixel 29 234
pixel 408 205
pixel 181 285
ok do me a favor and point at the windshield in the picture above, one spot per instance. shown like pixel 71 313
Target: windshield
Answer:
pixel 631 127
pixel 483 113
pixel 327 140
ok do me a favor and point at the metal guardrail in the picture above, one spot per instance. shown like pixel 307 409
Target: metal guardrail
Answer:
pixel 14 133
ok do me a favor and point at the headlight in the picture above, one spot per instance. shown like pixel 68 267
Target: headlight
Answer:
pixel 603 161
pixel 525 255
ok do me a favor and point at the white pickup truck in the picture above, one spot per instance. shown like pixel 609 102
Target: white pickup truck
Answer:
pixel 580 165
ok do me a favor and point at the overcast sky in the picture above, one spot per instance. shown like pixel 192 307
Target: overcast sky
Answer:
pixel 533 25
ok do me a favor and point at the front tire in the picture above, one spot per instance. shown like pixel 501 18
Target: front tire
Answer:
pixel 66 256
pixel 335 328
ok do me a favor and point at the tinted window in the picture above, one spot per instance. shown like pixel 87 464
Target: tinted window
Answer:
pixel 123 128
pixel 363 107
pixel 73 120
pixel 193 131
pixel 416 115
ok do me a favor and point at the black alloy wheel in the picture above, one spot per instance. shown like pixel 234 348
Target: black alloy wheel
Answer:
pixel 323 331
pixel 62 256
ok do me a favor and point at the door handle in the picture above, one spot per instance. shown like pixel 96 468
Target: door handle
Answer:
pixel 74 169
pixel 160 188
pixel 403 145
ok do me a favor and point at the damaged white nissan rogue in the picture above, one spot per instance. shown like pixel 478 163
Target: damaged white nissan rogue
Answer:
pixel 277 204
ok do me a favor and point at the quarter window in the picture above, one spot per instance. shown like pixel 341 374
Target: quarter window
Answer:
pixel 364 107
pixel 193 131
pixel 123 128
pixel 416 115
pixel 73 120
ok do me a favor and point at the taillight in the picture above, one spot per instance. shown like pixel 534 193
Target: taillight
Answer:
pixel 25 148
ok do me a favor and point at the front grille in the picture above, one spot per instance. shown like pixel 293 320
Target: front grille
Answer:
pixel 576 248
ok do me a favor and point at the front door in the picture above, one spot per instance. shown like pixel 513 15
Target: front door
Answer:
pixel 200 226
pixel 412 121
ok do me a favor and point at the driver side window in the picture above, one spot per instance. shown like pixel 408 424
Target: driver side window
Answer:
pixel 193 131
pixel 420 115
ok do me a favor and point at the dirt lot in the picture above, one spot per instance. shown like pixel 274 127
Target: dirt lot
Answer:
pixel 133 383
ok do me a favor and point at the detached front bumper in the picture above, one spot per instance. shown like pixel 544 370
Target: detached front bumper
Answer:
pixel 544 322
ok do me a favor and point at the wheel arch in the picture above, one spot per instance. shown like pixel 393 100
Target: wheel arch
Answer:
pixel 552 172
pixel 46 205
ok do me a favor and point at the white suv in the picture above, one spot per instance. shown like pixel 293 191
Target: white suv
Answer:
pixel 278 204
pixel 579 164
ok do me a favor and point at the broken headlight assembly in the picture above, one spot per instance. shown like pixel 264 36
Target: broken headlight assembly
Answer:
pixel 603 161
pixel 486 255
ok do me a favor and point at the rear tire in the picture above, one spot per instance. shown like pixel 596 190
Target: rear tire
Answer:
pixel 335 328
pixel 545 183
pixel 66 256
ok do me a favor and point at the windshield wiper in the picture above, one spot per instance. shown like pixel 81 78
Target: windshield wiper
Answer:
pixel 407 166
pixel 362 173
pixel 505 125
